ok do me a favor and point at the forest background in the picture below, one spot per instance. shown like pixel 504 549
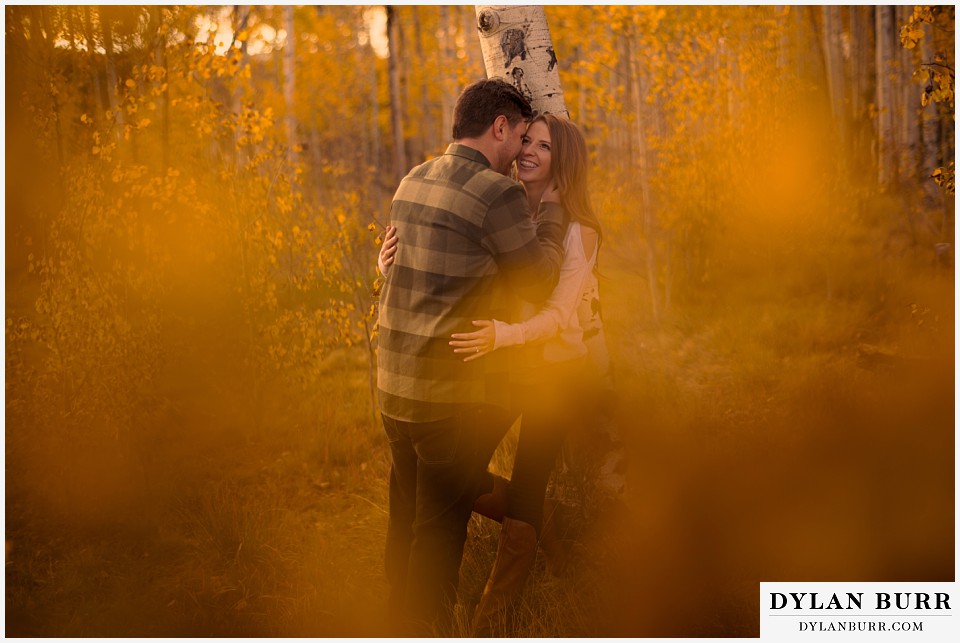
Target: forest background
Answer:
pixel 194 198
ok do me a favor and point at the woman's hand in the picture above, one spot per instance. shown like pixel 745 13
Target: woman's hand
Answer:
pixel 478 343
pixel 551 194
pixel 388 250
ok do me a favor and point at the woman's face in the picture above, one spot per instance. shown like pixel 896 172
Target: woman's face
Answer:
pixel 533 164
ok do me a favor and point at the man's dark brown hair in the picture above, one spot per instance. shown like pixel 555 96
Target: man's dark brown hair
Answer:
pixel 481 103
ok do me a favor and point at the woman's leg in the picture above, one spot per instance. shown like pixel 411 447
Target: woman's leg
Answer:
pixel 542 432
pixel 539 443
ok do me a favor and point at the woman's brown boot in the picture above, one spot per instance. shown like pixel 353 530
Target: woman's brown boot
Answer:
pixel 556 548
pixel 515 555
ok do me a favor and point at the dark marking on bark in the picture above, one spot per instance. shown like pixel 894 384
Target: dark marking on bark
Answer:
pixel 488 21
pixel 512 45
pixel 517 74
pixel 553 59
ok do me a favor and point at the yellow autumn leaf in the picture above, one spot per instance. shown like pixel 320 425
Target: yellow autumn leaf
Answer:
pixel 131 83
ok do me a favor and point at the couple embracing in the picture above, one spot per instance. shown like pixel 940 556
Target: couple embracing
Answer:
pixel 481 322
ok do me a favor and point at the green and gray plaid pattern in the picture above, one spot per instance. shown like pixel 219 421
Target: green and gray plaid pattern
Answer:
pixel 467 250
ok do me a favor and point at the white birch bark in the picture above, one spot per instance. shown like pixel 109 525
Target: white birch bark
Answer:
pixel 516 46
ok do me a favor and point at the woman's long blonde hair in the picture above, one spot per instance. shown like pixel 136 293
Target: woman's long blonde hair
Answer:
pixel 570 162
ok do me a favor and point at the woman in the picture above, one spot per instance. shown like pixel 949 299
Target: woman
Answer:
pixel 552 166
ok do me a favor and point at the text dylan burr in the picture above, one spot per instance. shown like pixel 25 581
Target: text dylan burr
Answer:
pixel 853 601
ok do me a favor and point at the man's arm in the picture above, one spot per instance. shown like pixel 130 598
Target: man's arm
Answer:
pixel 529 255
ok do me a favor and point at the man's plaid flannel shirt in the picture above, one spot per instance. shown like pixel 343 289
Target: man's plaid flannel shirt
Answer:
pixel 468 249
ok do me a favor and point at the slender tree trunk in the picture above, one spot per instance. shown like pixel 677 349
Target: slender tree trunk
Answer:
pixel 783 42
pixel 885 132
pixel 44 47
pixel 375 144
pixel 647 215
pixel 290 76
pixel 944 40
pixel 396 117
pixel 626 129
pixel 98 85
pixel 448 57
pixel 910 110
pixel 426 139
pixel 832 33
pixel 111 71
pixel 858 70
pixel 160 59
pixel 930 126
pixel 516 46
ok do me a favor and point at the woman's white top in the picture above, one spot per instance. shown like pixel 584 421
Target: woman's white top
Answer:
pixel 557 323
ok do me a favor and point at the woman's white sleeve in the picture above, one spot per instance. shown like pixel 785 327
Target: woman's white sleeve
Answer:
pixel 559 307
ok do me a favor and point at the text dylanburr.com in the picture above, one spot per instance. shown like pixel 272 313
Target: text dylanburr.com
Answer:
pixel 859 611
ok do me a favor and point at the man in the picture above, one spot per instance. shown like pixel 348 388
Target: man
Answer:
pixel 468 249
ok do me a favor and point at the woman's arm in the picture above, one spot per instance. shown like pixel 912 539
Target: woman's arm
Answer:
pixel 579 260
pixel 388 250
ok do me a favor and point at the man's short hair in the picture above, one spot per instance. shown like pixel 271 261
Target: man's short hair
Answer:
pixel 481 103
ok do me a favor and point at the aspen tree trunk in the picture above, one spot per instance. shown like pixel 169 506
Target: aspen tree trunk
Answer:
pixel 396 118
pixel 885 133
pixel 647 216
pixel 930 126
pixel 375 133
pixel 426 138
pixel 448 61
pixel 160 59
pixel 619 124
pixel 45 44
pixel 858 69
pixel 289 75
pixel 107 30
pixel 833 59
pixel 516 46
pixel 98 87
pixel 783 42
pixel 909 109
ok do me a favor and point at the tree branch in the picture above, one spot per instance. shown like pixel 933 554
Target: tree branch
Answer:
pixel 938 65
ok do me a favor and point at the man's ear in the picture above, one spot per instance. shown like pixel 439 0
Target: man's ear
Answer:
pixel 500 127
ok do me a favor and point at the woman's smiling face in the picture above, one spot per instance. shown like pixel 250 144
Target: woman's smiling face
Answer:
pixel 533 164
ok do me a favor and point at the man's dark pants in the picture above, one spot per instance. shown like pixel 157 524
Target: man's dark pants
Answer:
pixel 436 475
